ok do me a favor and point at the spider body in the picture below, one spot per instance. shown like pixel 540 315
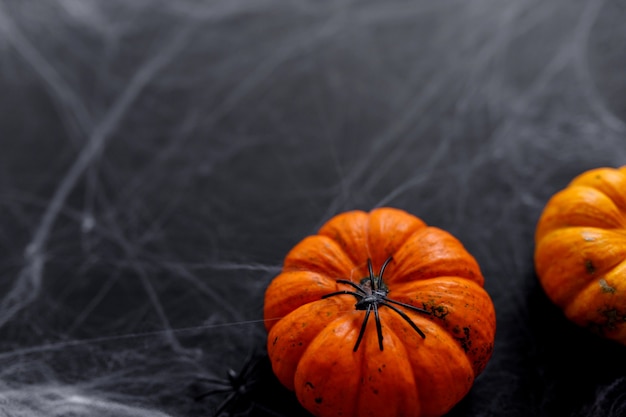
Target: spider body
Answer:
pixel 372 293
pixel 236 386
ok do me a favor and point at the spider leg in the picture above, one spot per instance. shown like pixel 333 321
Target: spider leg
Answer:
pixel 379 329
pixel 214 381
pixel 409 306
pixel 212 392
pixel 247 411
pixel 371 269
pixel 342 292
pixel 362 331
pixel 249 366
pixel 266 410
pixel 224 404
pixel 382 271
pixel 405 317
pixel 352 284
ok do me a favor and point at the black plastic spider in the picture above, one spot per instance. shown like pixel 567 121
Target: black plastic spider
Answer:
pixel 238 386
pixel 371 293
pixel 253 391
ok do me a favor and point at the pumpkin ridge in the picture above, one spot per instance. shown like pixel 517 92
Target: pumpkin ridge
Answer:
pixel 454 261
pixel 603 309
pixel 290 297
pixel 620 206
pixel 609 181
pixel 388 229
pixel 452 317
pixel 362 368
pixel 579 205
pixel 445 345
pixel 552 279
pixel 401 240
pixel 311 353
pixel 294 348
pixel 400 351
pixel 593 281
pixel 350 231
pixel 461 343
pixel 330 258
pixel 616 204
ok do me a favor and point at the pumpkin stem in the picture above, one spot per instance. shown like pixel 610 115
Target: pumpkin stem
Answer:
pixel 372 293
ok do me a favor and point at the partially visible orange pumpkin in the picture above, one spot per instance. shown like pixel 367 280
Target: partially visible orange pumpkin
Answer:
pixel 580 251
pixel 431 324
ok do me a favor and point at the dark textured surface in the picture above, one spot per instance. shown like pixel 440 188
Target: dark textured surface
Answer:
pixel 158 160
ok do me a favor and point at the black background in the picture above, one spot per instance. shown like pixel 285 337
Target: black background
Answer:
pixel 159 158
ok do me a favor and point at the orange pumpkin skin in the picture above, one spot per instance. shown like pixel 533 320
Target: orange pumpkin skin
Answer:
pixel 311 340
pixel 580 251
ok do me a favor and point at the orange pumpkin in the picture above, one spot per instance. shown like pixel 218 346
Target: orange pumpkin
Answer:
pixel 379 315
pixel 580 251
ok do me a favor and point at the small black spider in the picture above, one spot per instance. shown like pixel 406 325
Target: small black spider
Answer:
pixel 371 293
pixel 237 386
